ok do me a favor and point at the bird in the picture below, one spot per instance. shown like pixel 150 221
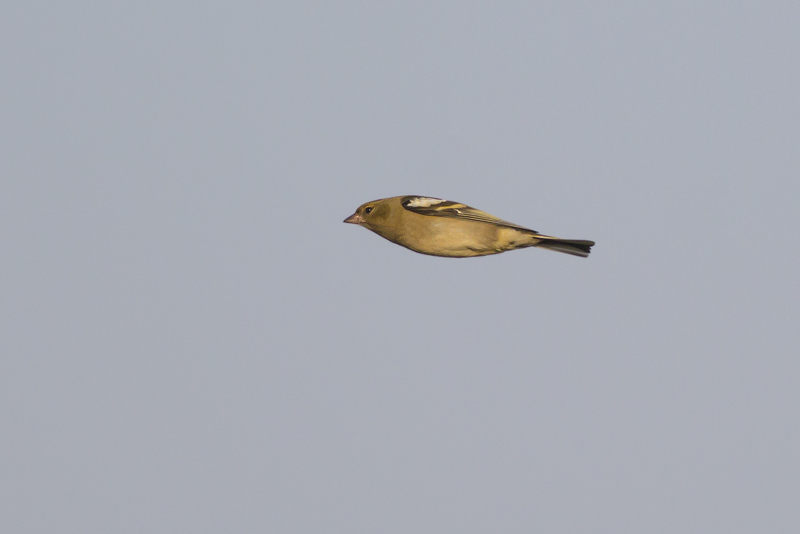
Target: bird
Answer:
pixel 450 229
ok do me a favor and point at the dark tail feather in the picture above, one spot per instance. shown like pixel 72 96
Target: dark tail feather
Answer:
pixel 576 247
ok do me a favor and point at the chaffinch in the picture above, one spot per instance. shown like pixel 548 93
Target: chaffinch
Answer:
pixel 445 228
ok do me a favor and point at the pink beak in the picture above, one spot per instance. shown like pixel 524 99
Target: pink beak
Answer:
pixel 354 219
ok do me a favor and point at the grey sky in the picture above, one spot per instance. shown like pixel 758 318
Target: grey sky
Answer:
pixel 192 341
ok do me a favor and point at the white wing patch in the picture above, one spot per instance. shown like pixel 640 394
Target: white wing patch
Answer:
pixel 424 202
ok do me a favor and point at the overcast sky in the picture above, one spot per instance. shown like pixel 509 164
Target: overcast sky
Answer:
pixel 192 341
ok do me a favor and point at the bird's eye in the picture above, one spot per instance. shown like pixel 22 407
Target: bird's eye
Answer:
pixel 368 210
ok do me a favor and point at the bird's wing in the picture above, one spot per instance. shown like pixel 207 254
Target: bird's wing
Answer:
pixel 436 207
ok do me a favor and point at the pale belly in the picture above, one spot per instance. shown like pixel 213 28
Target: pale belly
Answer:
pixel 465 240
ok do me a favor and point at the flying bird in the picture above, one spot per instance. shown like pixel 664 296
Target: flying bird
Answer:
pixel 445 228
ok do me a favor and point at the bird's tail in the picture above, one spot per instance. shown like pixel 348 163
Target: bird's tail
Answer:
pixel 576 247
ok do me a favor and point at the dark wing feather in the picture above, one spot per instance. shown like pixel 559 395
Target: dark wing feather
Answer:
pixel 436 207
